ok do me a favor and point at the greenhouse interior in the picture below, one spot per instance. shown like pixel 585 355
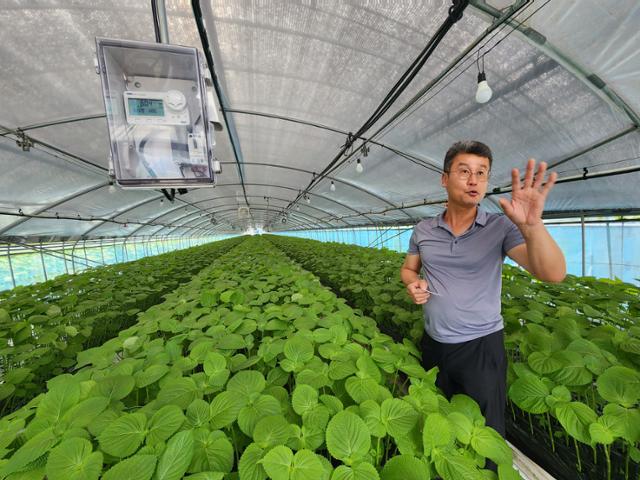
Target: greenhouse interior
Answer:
pixel 229 239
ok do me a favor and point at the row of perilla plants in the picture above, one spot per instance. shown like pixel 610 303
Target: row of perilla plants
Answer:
pixel 44 326
pixel 253 370
pixel 574 347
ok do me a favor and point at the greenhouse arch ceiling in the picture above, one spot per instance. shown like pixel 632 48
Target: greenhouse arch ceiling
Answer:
pixel 295 79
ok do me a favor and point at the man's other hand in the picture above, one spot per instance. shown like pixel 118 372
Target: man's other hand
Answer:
pixel 417 291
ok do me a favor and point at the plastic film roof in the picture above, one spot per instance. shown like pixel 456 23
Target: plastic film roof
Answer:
pixel 296 78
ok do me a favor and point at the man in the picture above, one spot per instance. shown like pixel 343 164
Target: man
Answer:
pixel 460 254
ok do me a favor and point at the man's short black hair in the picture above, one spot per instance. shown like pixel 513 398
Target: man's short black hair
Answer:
pixel 467 146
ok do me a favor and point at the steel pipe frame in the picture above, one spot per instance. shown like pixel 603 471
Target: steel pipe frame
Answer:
pixel 235 210
pixel 283 187
pixel 213 212
pixel 363 190
pixel 55 204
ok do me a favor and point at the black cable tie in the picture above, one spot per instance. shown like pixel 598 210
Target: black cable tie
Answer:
pixel 585 172
pixel 20 211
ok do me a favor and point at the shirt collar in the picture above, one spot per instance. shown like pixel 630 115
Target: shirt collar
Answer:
pixel 481 219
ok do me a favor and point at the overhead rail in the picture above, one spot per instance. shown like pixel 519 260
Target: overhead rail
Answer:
pixel 231 131
pixel 454 14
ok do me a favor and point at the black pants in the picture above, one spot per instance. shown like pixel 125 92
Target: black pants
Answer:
pixel 477 368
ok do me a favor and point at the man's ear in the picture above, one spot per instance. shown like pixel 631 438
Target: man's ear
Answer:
pixel 443 180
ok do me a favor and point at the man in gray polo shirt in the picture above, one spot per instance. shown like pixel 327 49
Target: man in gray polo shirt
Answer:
pixel 460 255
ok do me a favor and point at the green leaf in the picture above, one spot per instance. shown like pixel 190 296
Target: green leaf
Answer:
pixel 576 417
pixel 624 421
pixel 138 467
pixel 306 465
pixel 33 449
pixel 123 437
pixel 198 413
pixel 601 432
pixel 219 452
pixel 277 462
pixel 488 443
pixel 298 350
pixel 58 401
pixel 573 370
pixel 164 423
pixel 82 414
pixel 247 384
pixel 249 467
pixel 437 432
pixel 150 375
pixel 544 362
pixel 264 406
pixel 176 458
pixel 360 471
pixel 405 467
pixel 452 465
pixel 462 426
pixel 398 416
pixel 6 390
pixel 361 389
pixel 115 387
pixel 180 392
pixel 224 409
pixel 271 431
pixel 214 363
pixel 73 460
pixel 304 399
pixel 370 413
pixel 529 393
pixel 347 437
pixel 619 385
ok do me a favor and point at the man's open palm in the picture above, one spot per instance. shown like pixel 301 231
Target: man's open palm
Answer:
pixel 527 199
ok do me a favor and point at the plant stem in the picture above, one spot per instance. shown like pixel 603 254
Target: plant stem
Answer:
pixel 553 445
pixel 608 457
pixel 575 442
pixel 530 423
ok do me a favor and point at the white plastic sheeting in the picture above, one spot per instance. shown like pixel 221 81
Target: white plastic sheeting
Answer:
pixel 297 77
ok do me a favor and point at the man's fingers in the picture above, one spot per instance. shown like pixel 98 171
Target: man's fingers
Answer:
pixel 515 180
pixel 528 176
pixel 539 178
pixel 549 185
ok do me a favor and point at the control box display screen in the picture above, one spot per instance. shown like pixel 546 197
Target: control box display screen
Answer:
pixel 146 107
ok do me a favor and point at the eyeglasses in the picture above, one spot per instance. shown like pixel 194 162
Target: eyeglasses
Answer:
pixel 465 174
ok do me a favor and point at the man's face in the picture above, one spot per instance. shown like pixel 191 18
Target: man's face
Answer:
pixel 466 181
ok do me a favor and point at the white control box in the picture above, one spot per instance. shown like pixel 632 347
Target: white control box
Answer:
pixel 156 105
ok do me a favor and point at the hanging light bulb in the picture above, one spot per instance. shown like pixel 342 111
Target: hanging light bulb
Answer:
pixel 308 198
pixel 484 92
pixel 359 167
pixel 333 186
pixel 112 188
pixel 297 208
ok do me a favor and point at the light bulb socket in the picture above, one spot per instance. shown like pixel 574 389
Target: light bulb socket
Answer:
pixel 482 77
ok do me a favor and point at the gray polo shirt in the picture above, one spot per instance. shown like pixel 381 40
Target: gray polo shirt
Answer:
pixel 467 273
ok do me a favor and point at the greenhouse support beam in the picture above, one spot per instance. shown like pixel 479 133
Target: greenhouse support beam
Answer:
pixel 344 182
pixel 13 277
pixel 64 199
pixel 512 10
pixel 329 199
pixel 427 163
pixel 209 54
pixel 584 245
pixel 44 268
